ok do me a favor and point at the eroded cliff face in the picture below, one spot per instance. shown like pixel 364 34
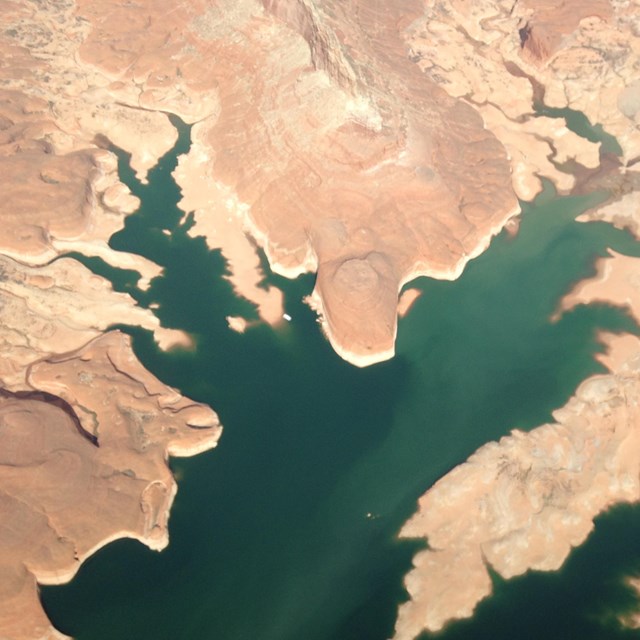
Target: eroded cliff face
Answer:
pixel 346 148
pixel 331 148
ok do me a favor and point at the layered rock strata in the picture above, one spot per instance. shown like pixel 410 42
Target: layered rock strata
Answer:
pixel 85 431
pixel 361 180
pixel 316 132
pixel 335 152
pixel 351 164
pixel 523 502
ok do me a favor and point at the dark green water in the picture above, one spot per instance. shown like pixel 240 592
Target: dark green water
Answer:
pixel 270 538
pixel 579 123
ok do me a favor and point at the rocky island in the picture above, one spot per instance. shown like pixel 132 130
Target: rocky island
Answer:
pixel 369 143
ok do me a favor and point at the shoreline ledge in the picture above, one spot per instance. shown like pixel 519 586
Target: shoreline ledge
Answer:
pixel 64 497
pixel 525 501
pixel 356 153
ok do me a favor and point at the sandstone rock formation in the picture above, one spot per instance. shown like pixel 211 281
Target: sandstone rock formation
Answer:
pixel 503 57
pixel 315 132
pixel 335 152
pixel 617 282
pixel 361 178
pixel 83 462
pixel 58 308
pixel 522 503
pixel 350 163
pixel 623 213
pixel 85 430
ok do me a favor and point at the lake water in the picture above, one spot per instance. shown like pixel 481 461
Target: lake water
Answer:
pixel 288 529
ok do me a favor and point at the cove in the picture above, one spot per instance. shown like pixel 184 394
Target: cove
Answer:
pixel 288 529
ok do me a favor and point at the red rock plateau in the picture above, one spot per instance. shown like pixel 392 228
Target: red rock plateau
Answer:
pixel 368 142
pixel 83 462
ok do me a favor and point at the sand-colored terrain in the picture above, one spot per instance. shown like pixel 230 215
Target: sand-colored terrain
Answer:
pixel 85 430
pixel 623 212
pixel 502 57
pixel 368 142
pixel 342 151
pixel 349 164
pixel 617 282
pixel 335 152
pixel 523 503
pixel 83 462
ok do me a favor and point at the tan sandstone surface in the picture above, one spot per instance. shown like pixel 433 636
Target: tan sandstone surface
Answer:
pixel 83 462
pixel 623 213
pixel 336 137
pixel 335 152
pixel 504 56
pixel 522 503
pixel 85 430
pixel 351 164
pixel 316 133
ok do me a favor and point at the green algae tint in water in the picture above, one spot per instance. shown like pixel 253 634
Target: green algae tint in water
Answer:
pixel 287 530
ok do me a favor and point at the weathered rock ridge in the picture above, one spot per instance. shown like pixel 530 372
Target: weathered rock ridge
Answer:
pixel 504 57
pixel 349 143
pixel 338 156
pixel 85 431
pixel 522 503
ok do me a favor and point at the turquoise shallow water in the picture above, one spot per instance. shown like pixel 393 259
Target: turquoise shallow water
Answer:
pixel 270 534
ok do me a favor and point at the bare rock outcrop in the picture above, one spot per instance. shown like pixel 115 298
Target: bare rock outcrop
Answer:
pixel 623 212
pixel 351 155
pixel 85 430
pixel 58 308
pixel 370 142
pixel 82 463
pixel 506 57
pixel 524 502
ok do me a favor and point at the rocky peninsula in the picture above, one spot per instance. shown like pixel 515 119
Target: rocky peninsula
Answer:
pixel 522 503
pixel 369 143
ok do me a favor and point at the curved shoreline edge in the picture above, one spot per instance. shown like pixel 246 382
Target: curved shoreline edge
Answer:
pixel 376 134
